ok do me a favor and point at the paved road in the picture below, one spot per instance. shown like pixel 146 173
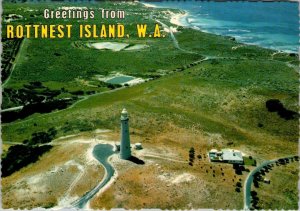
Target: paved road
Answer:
pixel 249 180
pixel 14 64
pixel 12 143
pixel 101 152
pixel 175 42
pixel 12 109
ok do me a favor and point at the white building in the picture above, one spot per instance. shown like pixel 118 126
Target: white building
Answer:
pixel 232 156
pixel 138 146
pixel 226 156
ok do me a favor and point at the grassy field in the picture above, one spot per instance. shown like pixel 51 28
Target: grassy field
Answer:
pixel 189 101
pixel 218 103
pixel 70 68
pixel 281 193
pixel 63 62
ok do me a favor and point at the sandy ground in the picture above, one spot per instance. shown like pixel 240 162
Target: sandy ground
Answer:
pixel 177 17
pixel 59 177
pixel 73 8
pixel 136 47
pixel 167 181
pixel 134 81
pixel 149 5
pixel 130 83
pixel 114 46
pixel 13 17
pixel 161 184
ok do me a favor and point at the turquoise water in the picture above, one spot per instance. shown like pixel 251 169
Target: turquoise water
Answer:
pixel 120 79
pixel 272 25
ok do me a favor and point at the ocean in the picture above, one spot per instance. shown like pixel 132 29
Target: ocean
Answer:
pixel 272 25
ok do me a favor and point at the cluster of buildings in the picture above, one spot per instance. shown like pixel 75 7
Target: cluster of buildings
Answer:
pixel 226 156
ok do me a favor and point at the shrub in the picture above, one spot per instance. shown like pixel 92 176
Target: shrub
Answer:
pixel 19 156
pixel 239 184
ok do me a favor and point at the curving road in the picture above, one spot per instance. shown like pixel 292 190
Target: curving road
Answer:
pixel 249 180
pixel 101 152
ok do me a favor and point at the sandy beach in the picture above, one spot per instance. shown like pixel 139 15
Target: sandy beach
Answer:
pixel 176 18
pixel 149 5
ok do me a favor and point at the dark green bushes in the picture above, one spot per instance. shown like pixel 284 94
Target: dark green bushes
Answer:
pixel 19 156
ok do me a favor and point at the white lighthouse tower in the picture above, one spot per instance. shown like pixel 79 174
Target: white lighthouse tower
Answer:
pixel 125 151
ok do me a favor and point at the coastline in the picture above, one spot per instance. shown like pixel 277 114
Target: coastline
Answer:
pixel 209 91
pixel 177 19
pixel 149 5
pixel 180 19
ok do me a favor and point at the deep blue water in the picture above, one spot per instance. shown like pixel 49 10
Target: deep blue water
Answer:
pixel 269 24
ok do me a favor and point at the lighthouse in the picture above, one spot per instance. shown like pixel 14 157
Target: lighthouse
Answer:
pixel 125 152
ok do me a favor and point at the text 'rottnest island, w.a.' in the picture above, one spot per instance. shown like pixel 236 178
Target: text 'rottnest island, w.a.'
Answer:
pixel 85 31
pixel 82 30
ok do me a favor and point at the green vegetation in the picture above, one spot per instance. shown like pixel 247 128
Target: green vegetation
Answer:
pixel 19 156
pixel 209 103
pixel 70 68
pixel 215 88
pixel 63 62
pixel 11 48
pixel 191 156
pixel 279 192
pixel 41 137
pixel 249 161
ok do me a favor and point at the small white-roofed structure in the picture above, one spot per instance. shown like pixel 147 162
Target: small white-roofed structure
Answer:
pixel 212 154
pixel 213 151
pixel 138 146
pixel 226 156
pixel 266 180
